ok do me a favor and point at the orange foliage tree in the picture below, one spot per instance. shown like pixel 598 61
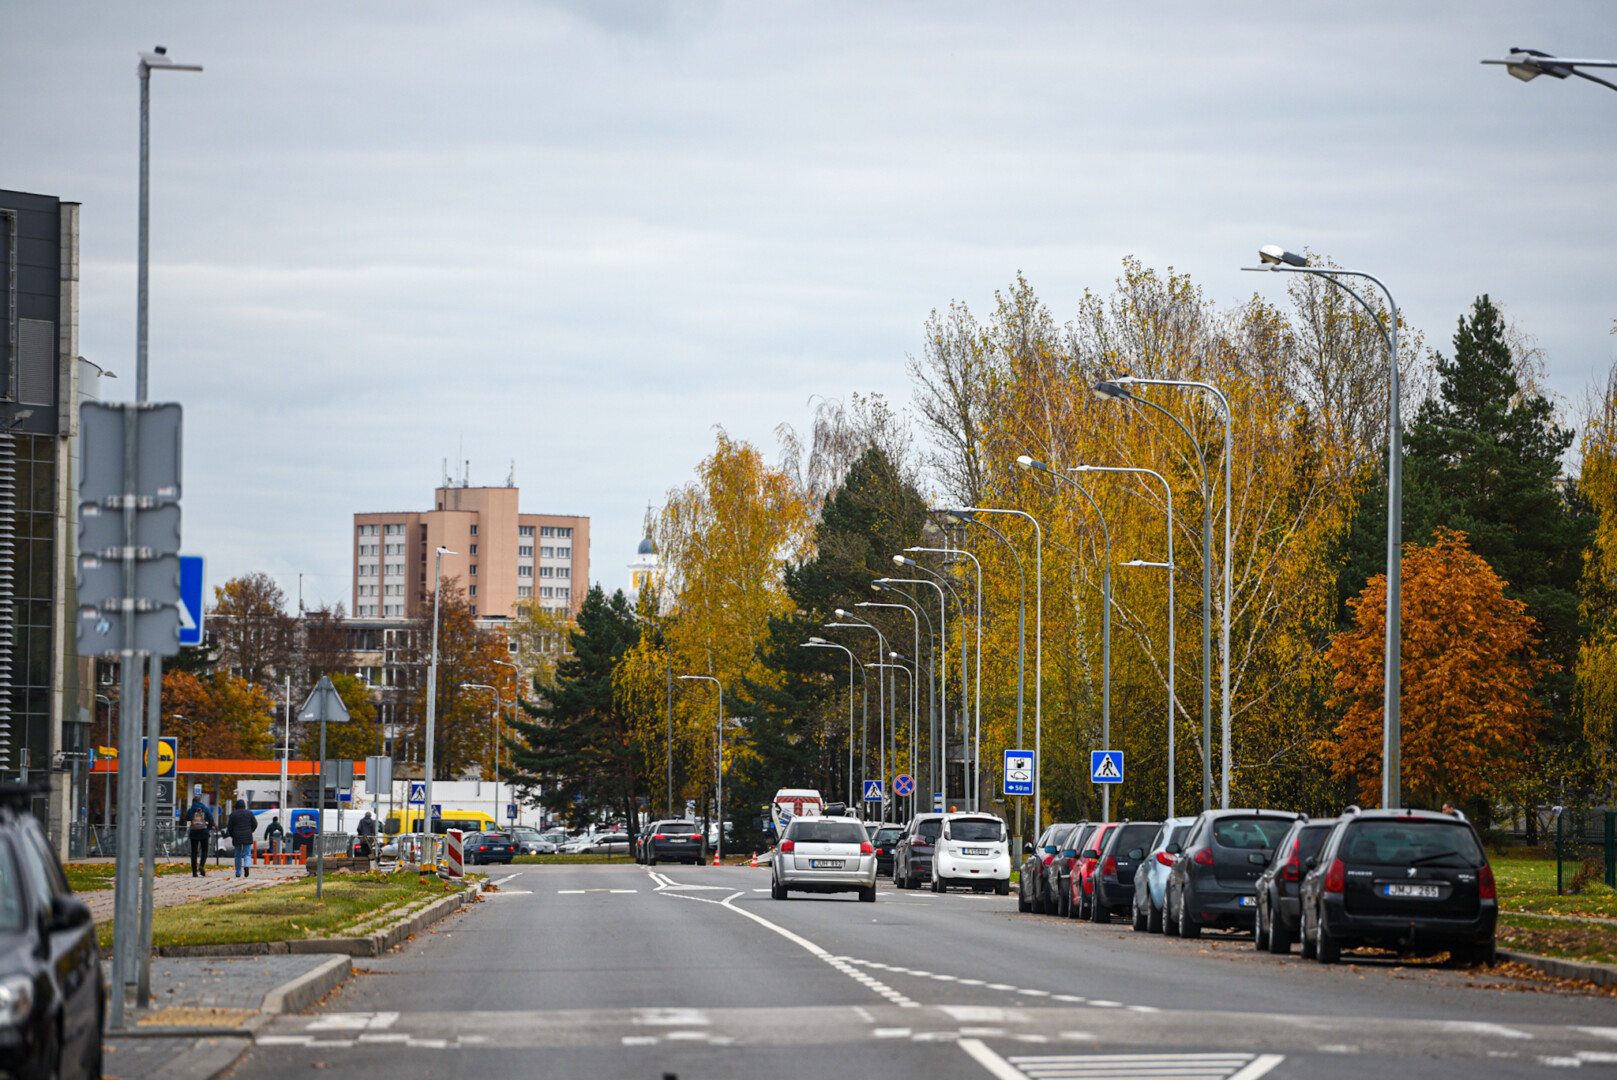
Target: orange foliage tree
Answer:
pixel 1470 658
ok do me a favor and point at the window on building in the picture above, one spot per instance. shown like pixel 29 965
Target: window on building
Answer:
pixel 547 571
pixel 394 569
pixel 474 549
pixel 474 530
pixel 367 530
pixel 547 553
pixel 564 572
pixel 563 594
pixel 524 530
pixel 472 591
pixel 524 571
pixel 392 530
pixel 524 590
pixel 525 551
pixel 564 553
pixel 545 590
pixel 547 530
pixel 474 569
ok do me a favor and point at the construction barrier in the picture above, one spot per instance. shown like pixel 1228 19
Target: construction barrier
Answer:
pixel 454 855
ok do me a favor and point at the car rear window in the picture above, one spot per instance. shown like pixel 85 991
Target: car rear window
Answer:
pixel 1134 836
pixel 930 828
pixel 826 832
pixel 1252 834
pixel 1398 843
pixel 678 828
pixel 888 836
pixel 1079 837
pixel 1310 839
pixel 976 829
pixel 1178 834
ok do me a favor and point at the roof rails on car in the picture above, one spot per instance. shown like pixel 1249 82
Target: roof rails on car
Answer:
pixel 1352 810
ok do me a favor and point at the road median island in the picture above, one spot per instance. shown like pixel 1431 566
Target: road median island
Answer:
pixel 359 915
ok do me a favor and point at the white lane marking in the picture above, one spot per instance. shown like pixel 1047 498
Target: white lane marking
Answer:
pixel 284 1040
pixel 997 1066
pixel 622 890
pixel 570 892
pixel 1480 1027
pixel 509 892
pixel 864 1014
pixel 503 880
pixel 891 1033
pixel 640 1040
pixel 672 1017
pixel 1261 1065
pixel 1602 1032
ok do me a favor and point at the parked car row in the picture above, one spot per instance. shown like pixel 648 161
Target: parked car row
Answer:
pixel 1413 881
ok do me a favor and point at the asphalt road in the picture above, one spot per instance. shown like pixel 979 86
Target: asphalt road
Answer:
pixel 694 972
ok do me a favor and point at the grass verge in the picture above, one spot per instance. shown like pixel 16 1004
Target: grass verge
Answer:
pixel 352 905
pixel 1589 942
pixel 92 877
pixel 1528 885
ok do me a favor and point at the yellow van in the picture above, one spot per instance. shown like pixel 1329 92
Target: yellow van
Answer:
pixel 465 820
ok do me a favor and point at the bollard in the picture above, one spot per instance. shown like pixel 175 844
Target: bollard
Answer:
pixel 455 855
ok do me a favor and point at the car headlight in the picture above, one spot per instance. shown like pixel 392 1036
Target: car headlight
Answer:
pixel 16 999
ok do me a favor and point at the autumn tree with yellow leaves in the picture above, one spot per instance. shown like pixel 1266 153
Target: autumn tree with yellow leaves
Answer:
pixel 1470 660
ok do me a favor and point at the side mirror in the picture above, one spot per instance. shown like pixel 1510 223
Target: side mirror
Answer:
pixel 1257 859
pixel 1049 849
pixel 1092 854
pixel 1069 854
pixel 1136 853
pixel 1027 848
pixel 1174 848
pixel 68 912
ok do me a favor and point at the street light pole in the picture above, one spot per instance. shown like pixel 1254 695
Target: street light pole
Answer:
pixel 719 796
pixel 1278 259
pixel 916 613
pixel 1529 64
pixel 821 643
pixel 881 704
pixel 940 738
pixel 432 693
pixel 966 776
pixel 977 674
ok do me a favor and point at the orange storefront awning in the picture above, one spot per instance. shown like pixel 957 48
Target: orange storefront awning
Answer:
pixel 231 767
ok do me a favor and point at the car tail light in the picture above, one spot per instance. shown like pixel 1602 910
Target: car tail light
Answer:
pixel 1070 862
pixel 1165 858
pixel 788 845
pixel 1293 868
pixel 482 847
pixel 1204 857
pixel 1109 867
pixel 866 849
pixel 659 836
pixel 1336 877
pixel 1485 888
pixel 1048 859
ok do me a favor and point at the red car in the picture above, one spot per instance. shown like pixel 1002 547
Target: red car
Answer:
pixel 1083 871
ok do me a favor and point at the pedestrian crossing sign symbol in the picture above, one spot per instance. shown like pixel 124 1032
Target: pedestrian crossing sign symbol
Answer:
pixel 1106 766
pixel 873 791
pixel 418 793
pixel 1018 772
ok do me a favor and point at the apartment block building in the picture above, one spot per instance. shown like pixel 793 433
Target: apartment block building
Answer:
pixel 501 555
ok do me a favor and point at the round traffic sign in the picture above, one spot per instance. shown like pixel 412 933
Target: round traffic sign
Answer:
pixel 903 784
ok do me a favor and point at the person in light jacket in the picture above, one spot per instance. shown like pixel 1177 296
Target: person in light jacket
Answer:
pixel 240 829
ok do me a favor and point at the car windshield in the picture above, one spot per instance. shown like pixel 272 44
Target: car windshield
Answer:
pixel 929 829
pixel 1251 834
pixel 978 829
pixel 826 832
pixel 1400 843
pixel 1129 837
pixel 678 828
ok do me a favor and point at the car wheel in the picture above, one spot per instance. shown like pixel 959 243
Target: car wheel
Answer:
pixel 1023 904
pixel 1260 933
pixel 1038 898
pixel 1002 888
pixel 868 896
pixel 1153 917
pixel 49 1062
pixel 1327 950
pixel 1305 941
pixel 1099 913
pixel 1187 927
pixel 1279 937
pixel 651 858
pixel 938 886
pixel 1064 905
pixel 1141 919
pixel 1074 907
pixel 1170 924
pixel 776 891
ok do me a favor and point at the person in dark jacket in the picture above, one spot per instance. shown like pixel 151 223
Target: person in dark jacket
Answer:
pixel 275 834
pixel 240 827
pixel 367 834
pixel 199 822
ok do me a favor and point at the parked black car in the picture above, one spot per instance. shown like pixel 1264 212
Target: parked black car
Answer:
pixel 1114 877
pixel 1032 888
pixel 1411 880
pixel 1213 883
pixel 1278 885
pixel 488 847
pixel 673 840
pixel 885 839
pixel 51 990
pixel 1059 872
pixel 912 855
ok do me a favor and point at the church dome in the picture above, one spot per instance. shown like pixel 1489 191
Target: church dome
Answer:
pixel 647 547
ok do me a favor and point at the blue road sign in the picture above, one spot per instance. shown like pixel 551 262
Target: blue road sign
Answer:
pixel 511 811
pixel 903 785
pixel 1019 772
pixel 873 791
pixel 191 599
pixel 1106 766
pixel 418 793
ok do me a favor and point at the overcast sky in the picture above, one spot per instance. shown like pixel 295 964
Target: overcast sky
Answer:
pixel 578 236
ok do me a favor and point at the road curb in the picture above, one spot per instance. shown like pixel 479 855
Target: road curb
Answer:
pixel 372 944
pixel 309 987
pixel 1599 974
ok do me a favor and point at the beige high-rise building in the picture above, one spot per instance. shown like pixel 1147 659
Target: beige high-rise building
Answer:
pixel 502 556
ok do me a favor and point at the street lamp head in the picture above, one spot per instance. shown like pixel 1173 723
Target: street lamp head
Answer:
pixel 902 561
pixel 953 516
pixel 816 641
pixel 877 586
pixel 1111 390
pixel 445 551
pixel 1529 64
pixel 841 614
pixel 1275 255
pixel 1028 463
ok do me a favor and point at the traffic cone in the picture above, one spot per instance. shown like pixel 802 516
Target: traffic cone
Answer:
pixel 716 859
pixel 754 861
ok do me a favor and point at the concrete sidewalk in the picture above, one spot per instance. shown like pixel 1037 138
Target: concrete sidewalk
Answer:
pixel 171 889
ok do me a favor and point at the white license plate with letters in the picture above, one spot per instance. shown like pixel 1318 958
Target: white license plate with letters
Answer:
pixel 825 864
pixel 975 851
pixel 1413 892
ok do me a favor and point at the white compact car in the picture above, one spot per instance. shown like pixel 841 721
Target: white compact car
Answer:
pixel 973 852
pixel 824 854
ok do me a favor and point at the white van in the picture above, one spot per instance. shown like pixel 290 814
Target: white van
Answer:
pixel 790 803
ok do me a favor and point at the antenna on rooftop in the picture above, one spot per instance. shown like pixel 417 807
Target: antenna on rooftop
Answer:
pixel 511 477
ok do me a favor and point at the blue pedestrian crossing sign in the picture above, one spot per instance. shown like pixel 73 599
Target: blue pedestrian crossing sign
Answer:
pixel 418 793
pixel 903 785
pixel 1018 772
pixel 1106 766
pixel 191 599
pixel 873 791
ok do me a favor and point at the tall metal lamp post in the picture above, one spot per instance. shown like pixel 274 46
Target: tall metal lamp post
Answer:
pixel 432 694
pixel 1276 258
pixel 821 643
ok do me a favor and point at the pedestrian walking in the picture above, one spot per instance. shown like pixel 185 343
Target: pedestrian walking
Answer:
pixel 367 834
pixel 241 826
pixel 275 835
pixel 199 825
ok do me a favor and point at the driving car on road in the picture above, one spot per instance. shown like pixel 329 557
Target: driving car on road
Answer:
pixel 488 847
pixel 1113 879
pixel 912 855
pixel 1280 884
pixel 1081 890
pixel 1031 893
pixel 824 854
pixel 674 840
pixel 884 839
pixel 1411 880
pixel 532 842
pixel 1151 875
pixel 973 852
pixel 51 987
pixel 1214 882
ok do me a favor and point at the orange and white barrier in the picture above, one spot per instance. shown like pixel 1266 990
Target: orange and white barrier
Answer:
pixel 454 854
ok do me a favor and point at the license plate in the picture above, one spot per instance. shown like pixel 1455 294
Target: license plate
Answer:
pixel 975 851
pixel 1417 892
pixel 1247 901
pixel 825 864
